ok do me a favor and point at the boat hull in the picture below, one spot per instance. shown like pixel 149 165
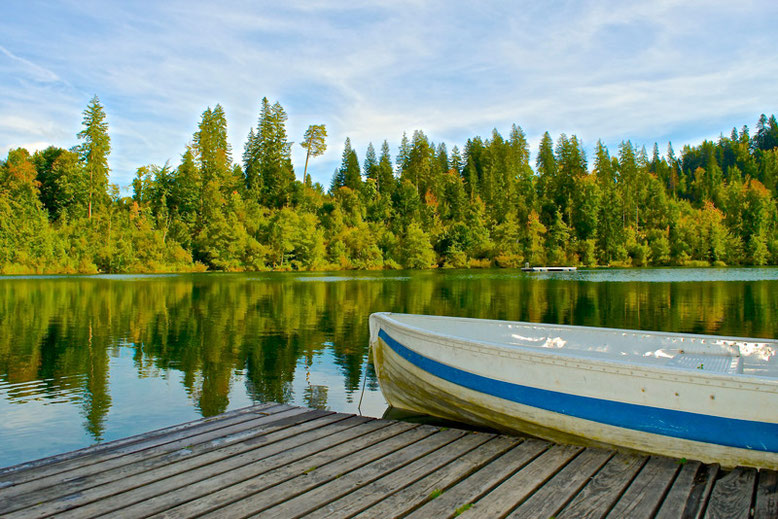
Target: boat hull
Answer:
pixel 545 397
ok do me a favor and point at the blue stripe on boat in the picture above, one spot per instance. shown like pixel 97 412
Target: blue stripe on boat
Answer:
pixel 731 432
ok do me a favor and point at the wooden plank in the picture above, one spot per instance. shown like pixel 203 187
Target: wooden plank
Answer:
pixel 221 490
pixel 646 492
pixel 766 495
pixel 675 502
pixel 318 474
pixel 157 496
pixel 557 492
pixel 344 484
pixel 701 490
pixel 52 475
pixel 732 494
pixel 52 486
pixel 601 493
pixel 514 490
pixel 405 500
pixel 476 485
pixel 126 478
pixel 358 500
pixel 12 471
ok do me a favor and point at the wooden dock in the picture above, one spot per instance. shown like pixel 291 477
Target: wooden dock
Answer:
pixel 280 461
pixel 549 269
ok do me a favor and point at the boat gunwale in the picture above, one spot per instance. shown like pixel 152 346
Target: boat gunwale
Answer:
pixel 574 359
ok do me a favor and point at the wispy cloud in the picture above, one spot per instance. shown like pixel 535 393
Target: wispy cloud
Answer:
pixel 665 70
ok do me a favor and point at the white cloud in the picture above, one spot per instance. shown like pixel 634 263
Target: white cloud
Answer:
pixel 659 70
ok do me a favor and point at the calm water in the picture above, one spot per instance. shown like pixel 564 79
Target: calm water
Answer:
pixel 87 359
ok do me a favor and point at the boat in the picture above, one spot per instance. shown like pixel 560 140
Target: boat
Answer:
pixel 709 398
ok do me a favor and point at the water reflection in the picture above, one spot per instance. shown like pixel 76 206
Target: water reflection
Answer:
pixel 221 335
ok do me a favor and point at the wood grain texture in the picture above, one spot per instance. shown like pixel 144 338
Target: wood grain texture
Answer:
pixel 36 470
pixel 318 474
pixel 137 470
pixel 480 483
pixel 280 461
pixel 347 482
pixel 600 495
pixel 181 497
pixel 411 497
pixel 731 496
pixel 514 490
pixel 16 472
pixel 766 505
pixel 44 477
pixel 560 489
pixel 701 489
pixel 646 492
pixel 143 484
pixel 675 502
pixel 405 477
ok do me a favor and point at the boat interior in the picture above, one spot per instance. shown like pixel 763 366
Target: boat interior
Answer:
pixel 707 353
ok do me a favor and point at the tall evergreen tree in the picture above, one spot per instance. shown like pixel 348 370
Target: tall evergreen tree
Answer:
pixel 94 152
pixel 349 167
pixel 370 167
pixel 315 144
pixel 386 181
pixel 268 157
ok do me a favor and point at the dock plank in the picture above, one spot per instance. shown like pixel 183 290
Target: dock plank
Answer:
pixel 732 494
pixel 223 491
pixel 554 495
pixel 202 481
pixel 481 482
pixel 34 471
pixel 317 475
pixel 140 475
pixel 514 490
pixel 138 452
pixel 410 497
pixel 766 495
pixel 646 492
pixel 14 471
pixel 276 460
pixel 346 483
pixel 407 476
pixel 701 490
pixel 675 502
pixel 601 493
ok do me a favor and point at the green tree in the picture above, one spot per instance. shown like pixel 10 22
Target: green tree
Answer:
pixel 315 144
pixel 417 251
pixel 267 160
pixel 94 152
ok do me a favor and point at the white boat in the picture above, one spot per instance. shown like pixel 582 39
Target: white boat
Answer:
pixel 708 398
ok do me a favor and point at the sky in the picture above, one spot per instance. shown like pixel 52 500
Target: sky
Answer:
pixel 658 71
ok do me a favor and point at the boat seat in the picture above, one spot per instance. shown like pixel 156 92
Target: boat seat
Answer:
pixel 711 363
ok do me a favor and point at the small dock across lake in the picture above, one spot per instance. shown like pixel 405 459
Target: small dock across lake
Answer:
pixel 549 269
pixel 275 460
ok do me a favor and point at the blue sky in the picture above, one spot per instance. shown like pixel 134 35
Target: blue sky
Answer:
pixel 678 71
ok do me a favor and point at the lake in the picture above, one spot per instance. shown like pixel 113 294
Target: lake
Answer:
pixel 85 359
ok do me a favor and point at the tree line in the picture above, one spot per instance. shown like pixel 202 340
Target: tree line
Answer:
pixel 428 206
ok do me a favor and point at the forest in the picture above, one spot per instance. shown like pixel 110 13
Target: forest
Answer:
pixel 427 206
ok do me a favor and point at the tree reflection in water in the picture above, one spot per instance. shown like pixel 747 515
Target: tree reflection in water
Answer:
pixel 57 335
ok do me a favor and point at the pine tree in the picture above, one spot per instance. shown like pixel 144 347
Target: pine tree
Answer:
pixel 94 152
pixel 546 168
pixel 314 143
pixel 214 151
pixel 386 180
pixel 370 167
pixel 349 167
pixel 268 157
pixel 403 155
